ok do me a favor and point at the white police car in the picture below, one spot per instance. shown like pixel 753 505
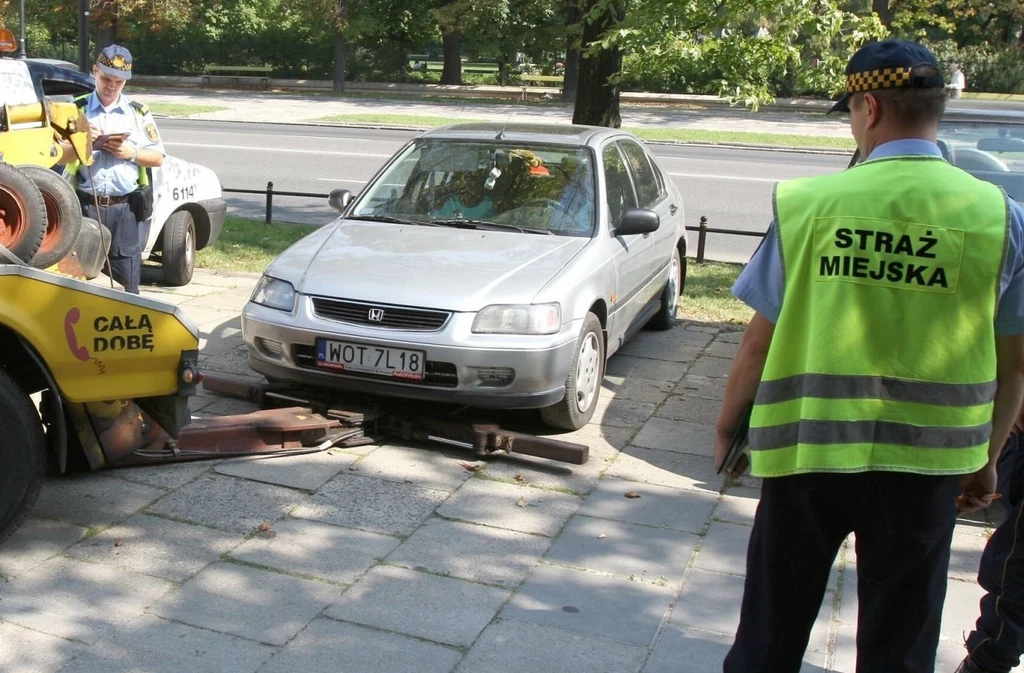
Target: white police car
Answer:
pixel 188 204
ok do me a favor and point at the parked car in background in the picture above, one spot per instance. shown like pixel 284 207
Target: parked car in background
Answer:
pixel 483 265
pixel 188 204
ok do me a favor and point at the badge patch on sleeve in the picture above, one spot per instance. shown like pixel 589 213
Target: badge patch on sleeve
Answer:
pixel 151 132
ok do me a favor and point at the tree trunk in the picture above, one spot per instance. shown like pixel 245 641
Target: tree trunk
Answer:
pixel 881 8
pixel 502 70
pixel 107 34
pixel 340 48
pixel 452 73
pixel 597 101
pixel 572 52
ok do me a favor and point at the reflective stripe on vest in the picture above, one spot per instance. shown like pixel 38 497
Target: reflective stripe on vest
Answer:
pixel 883 356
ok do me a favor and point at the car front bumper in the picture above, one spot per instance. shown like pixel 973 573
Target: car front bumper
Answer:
pixel 282 346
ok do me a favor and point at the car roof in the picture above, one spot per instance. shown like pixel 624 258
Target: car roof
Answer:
pixel 526 133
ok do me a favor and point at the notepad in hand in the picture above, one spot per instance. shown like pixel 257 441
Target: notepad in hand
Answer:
pixel 738 444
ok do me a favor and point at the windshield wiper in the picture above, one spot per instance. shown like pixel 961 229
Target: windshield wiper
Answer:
pixel 391 220
pixel 463 223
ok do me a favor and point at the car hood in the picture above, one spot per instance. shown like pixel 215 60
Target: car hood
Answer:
pixel 435 267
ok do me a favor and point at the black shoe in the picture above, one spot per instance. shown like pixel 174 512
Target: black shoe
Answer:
pixel 968 666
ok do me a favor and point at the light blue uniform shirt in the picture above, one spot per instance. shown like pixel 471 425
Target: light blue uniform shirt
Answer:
pixel 761 283
pixel 113 176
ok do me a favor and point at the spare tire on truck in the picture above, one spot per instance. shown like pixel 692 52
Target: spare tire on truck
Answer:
pixel 63 216
pixel 22 455
pixel 22 214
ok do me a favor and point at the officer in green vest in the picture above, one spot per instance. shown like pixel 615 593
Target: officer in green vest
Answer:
pixel 884 365
pixel 127 144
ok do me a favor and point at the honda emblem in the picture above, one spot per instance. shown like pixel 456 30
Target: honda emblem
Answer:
pixel 376 315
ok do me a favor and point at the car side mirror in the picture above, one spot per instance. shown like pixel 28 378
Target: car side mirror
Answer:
pixel 1002 144
pixel 339 199
pixel 637 221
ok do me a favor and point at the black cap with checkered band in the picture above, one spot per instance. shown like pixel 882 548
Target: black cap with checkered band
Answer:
pixel 886 65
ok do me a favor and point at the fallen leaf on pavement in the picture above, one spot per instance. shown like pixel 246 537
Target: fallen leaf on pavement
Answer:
pixel 264 527
pixel 632 494
pixel 522 502
pixel 118 543
pixel 472 467
pixel 353 468
pixel 519 477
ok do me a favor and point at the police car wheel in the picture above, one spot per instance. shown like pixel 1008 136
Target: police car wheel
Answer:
pixel 63 216
pixel 22 455
pixel 22 214
pixel 179 248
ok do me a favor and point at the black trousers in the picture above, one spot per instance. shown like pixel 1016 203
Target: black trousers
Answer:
pixel 125 254
pixel 904 527
pixel 997 642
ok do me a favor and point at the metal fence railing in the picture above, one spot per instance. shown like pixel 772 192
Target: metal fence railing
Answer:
pixel 703 230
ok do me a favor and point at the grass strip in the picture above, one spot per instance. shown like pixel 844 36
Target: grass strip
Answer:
pixel 249 245
pixel 707 296
pixel 183 110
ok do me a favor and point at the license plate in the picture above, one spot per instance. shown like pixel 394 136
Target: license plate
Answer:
pixel 354 357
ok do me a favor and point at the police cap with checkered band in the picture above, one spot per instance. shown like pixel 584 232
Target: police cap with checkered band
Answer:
pixel 115 61
pixel 888 64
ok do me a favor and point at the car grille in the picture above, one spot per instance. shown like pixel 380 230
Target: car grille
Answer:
pixel 380 315
pixel 441 374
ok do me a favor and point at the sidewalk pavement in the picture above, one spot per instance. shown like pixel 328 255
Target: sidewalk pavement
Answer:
pixel 397 558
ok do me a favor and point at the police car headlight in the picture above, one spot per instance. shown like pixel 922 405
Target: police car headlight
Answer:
pixel 274 293
pixel 519 319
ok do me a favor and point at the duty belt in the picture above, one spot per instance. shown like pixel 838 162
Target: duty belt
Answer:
pixel 101 199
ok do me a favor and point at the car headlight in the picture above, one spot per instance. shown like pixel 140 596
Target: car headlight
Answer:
pixel 274 293
pixel 519 319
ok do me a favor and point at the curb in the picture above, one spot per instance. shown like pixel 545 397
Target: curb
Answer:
pixel 791 149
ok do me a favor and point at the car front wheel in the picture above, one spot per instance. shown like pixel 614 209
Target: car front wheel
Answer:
pixel 665 318
pixel 583 384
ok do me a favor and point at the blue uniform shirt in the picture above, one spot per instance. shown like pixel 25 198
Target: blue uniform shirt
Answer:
pixel 113 176
pixel 760 285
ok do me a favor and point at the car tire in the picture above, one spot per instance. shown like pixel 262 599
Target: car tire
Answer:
pixel 63 216
pixel 583 384
pixel 22 457
pixel 22 214
pixel 178 256
pixel 665 318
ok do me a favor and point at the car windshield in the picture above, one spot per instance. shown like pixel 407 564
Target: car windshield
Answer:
pixel 511 187
pixel 992 151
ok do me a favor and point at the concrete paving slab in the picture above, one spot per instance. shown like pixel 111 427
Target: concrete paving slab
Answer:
pixel 225 406
pixel 212 346
pixel 228 301
pixel 658 506
pixel 36 541
pixel 316 550
pixel 306 472
pixel 722 349
pixel 690 409
pixel 709 601
pixel 514 507
pixel 424 466
pixel 472 552
pixel 674 345
pixel 260 605
pixel 547 474
pixel 156 645
pixel 442 609
pixel 613 411
pixel 698 385
pixel 738 505
pixel 635 388
pixel 603 441
pixel 93 500
pixel 26 651
pixel 646 368
pixel 511 646
pixel 589 603
pixel 228 503
pixel 679 436
pixel 965 554
pixel 666 468
pixel 168 477
pixel 371 504
pixel 731 336
pixel 234 361
pixel 327 646
pixel 153 546
pixel 628 550
pixel 81 601
pixel 687 650
pixel 711 366
pixel 959 614
pixel 725 549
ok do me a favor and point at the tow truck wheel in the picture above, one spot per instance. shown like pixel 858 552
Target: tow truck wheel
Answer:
pixel 22 214
pixel 63 216
pixel 179 248
pixel 22 455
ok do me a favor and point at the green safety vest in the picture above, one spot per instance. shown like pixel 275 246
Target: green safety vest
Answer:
pixel 883 356
pixel 71 172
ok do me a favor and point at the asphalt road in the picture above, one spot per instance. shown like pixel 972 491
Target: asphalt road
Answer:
pixel 731 187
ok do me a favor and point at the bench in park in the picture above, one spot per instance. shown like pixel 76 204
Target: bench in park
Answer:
pixel 240 72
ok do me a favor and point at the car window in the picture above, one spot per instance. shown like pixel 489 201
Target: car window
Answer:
pixel 533 187
pixel 649 189
pixel 620 187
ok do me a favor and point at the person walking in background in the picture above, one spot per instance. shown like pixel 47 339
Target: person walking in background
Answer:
pixel 957 81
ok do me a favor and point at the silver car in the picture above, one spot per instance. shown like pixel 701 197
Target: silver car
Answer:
pixel 483 265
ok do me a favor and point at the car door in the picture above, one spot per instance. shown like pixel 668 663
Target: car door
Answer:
pixel 652 194
pixel 631 252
